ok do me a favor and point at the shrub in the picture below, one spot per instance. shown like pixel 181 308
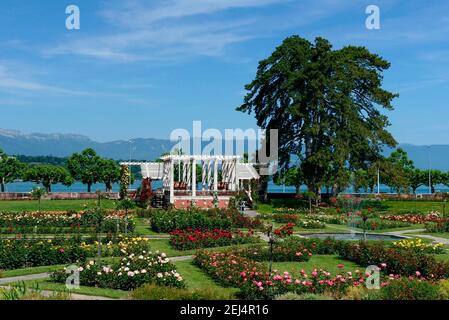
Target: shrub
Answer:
pixel 63 221
pixel 285 218
pixel 443 291
pixel 154 292
pixel 419 246
pixel 308 296
pixel 170 220
pixel 227 267
pixel 16 253
pixel 409 289
pixel 132 272
pixel 195 239
pixel 311 224
pixel 404 262
pixel 281 253
pixel 314 246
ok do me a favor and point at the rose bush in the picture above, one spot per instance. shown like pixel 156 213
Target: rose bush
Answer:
pixel 198 238
pixel 405 262
pixel 62 222
pixel 132 272
pixel 22 253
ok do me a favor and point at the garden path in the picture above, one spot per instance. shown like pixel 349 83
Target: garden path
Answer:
pixel 36 276
pixel 405 232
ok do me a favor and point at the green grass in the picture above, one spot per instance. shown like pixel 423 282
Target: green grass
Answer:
pixel 163 245
pixel 196 279
pixel 89 291
pixel 27 271
pixel 325 262
pixel 436 234
pixel 144 228
pixel 412 206
pixel 52 205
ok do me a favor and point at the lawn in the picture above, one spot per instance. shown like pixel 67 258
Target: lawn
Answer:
pixel 412 206
pixel 52 205
pixel 27 271
pixel 389 206
pixel 196 279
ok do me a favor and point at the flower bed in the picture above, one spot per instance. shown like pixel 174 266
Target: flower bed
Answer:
pixel 281 253
pixel 310 224
pixel 378 224
pixel 62 222
pixel 22 253
pixel 433 216
pixel 437 227
pixel 262 286
pixel 405 262
pixel 197 238
pixel 132 272
pixel 233 268
pixel 419 246
pixel 285 218
pixel 227 267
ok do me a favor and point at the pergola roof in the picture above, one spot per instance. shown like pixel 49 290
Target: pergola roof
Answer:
pixel 199 157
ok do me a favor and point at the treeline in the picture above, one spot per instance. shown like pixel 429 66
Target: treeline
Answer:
pixel 86 167
pixel 397 171
pixel 59 161
pixel 400 174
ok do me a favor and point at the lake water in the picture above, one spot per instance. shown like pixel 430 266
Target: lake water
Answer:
pixel 79 187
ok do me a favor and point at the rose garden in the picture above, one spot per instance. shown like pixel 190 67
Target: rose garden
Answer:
pixel 212 230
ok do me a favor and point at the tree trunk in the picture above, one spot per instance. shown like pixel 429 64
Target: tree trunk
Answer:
pixel 2 187
pixel 89 187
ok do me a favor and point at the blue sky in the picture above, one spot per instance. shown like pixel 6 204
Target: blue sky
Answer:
pixel 143 68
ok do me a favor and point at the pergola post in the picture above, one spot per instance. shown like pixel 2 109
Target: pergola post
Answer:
pixel 215 175
pixel 203 175
pixel 194 177
pixel 172 182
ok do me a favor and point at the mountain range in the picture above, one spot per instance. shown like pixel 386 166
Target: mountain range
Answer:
pixel 62 145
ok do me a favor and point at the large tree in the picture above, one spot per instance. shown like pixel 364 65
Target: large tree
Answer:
pixel 47 175
pixel 326 105
pixel 85 167
pixel 10 169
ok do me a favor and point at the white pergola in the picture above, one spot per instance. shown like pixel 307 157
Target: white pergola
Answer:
pixel 232 173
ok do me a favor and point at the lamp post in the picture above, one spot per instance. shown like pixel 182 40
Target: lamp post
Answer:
pixel 430 171
pixel 179 160
pixel 130 158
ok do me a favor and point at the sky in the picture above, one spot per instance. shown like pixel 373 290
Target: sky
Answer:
pixel 142 68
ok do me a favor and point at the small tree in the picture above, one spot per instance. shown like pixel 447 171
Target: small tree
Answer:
pixel 10 169
pixel 37 194
pixel 109 173
pixel 274 235
pixel 85 167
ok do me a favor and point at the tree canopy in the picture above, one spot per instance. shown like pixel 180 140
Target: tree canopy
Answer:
pixel 47 175
pixel 85 167
pixel 10 169
pixel 326 105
